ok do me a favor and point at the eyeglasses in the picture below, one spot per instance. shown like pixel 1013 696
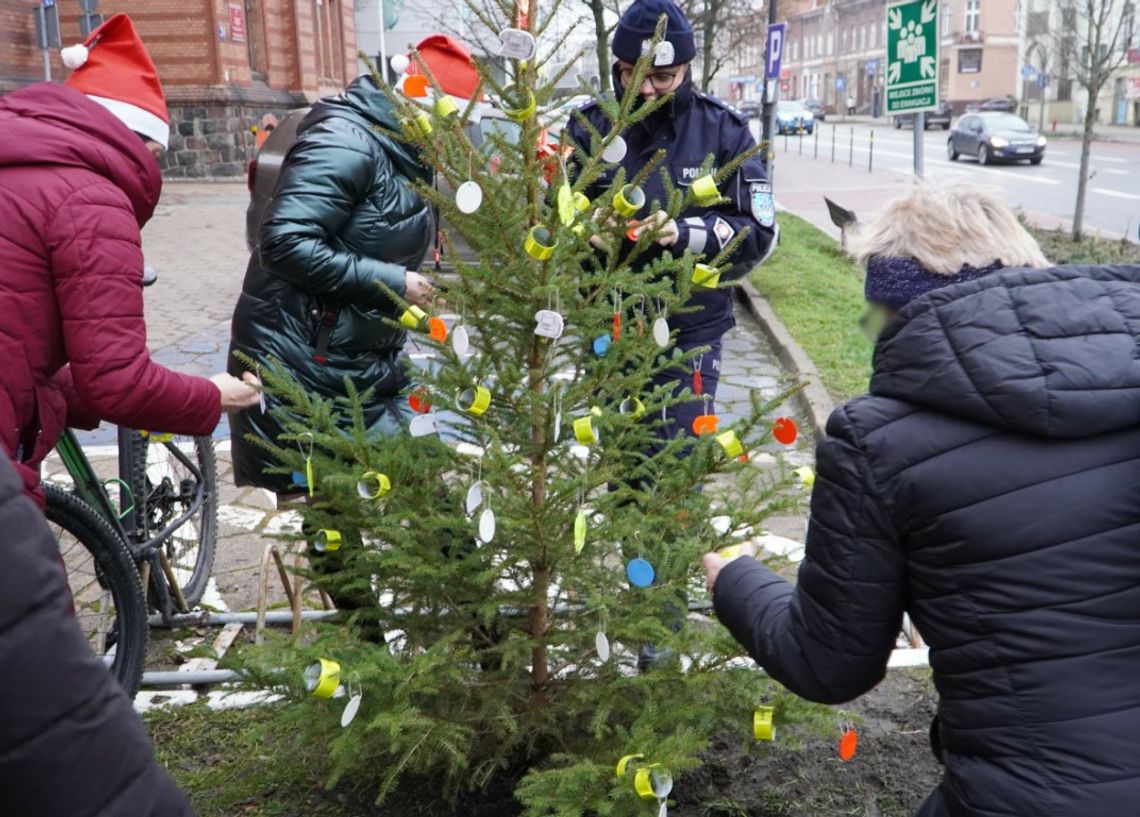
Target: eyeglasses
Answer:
pixel 661 81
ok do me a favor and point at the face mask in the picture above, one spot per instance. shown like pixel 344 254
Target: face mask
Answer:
pixel 875 320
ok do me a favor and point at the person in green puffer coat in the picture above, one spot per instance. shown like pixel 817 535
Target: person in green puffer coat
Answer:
pixel 344 223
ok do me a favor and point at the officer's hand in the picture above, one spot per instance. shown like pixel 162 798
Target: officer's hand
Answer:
pixel 663 228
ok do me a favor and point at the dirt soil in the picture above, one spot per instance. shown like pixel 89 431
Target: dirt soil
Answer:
pixel 799 775
pixel 892 772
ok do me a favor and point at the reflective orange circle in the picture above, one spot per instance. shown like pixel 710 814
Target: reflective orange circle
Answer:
pixel 705 424
pixel 419 402
pixel 785 431
pixel 437 329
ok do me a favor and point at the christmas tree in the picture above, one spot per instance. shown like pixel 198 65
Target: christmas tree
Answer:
pixel 504 561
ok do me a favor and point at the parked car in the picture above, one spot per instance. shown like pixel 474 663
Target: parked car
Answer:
pixel 793 117
pixel 749 107
pixel 940 117
pixel 999 103
pixel 995 137
pixel 817 108
pixel 265 167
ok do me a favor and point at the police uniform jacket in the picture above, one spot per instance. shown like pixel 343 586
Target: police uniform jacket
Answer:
pixel 691 127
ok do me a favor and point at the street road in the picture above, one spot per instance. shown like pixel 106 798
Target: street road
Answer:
pixel 1047 192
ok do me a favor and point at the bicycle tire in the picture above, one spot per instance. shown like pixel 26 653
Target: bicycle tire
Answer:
pixel 146 466
pixel 98 563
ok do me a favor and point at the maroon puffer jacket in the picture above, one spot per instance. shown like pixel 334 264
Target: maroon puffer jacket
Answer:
pixel 76 186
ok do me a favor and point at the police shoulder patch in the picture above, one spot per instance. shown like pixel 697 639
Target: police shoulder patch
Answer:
pixel 763 205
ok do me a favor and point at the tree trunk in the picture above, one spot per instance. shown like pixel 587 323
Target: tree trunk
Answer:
pixel 1083 179
pixel 597 8
pixel 708 41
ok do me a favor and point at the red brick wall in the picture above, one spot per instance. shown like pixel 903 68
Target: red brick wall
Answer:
pixel 212 91
pixel 182 38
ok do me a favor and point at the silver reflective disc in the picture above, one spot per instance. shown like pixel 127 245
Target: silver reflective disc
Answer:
pixel 350 710
pixel 487 525
pixel 602 645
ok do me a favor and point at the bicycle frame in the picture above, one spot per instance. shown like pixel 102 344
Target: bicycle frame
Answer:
pixel 91 490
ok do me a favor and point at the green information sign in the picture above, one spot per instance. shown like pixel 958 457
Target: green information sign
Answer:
pixel 912 56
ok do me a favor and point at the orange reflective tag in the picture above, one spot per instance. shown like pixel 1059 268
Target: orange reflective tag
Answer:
pixel 705 424
pixel 437 329
pixel 419 402
pixel 785 431
pixel 848 744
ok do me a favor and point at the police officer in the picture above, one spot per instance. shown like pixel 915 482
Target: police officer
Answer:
pixel 690 126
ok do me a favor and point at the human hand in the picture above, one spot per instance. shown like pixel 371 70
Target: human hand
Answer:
pixel 715 562
pixel 418 290
pixel 659 225
pixel 604 218
pixel 238 394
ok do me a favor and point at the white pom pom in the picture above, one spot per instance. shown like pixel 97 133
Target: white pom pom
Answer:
pixel 400 63
pixel 74 56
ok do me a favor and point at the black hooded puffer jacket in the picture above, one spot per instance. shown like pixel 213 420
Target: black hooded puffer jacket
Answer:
pixel 344 219
pixel 990 486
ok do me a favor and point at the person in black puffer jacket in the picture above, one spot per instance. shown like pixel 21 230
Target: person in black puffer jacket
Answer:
pixel 70 743
pixel 986 486
pixel 344 220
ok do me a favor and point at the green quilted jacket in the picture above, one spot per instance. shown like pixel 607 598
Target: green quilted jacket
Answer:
pixel 344 220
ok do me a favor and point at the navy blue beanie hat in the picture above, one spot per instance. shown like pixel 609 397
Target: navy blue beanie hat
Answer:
pixel 638 26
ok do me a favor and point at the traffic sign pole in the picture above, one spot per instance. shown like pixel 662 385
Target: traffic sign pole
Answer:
pixel 912 66
pixel 919 144
pixel 773 55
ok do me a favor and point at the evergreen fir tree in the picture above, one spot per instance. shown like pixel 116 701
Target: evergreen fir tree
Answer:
pixel 511 647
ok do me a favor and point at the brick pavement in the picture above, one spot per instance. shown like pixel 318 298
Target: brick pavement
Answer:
pixel 196 242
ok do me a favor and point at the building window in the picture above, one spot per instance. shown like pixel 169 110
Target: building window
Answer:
pixel 973 15
pixel 330 40
pixel 1127 26
pixel 255 37
pixel 1065 81
pixel 970 61
pixel 830 42
pixel 863 38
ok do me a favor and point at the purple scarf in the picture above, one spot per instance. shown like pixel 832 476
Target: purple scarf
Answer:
pixel 895 282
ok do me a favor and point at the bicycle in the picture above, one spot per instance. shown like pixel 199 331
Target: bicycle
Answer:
pixel 154 549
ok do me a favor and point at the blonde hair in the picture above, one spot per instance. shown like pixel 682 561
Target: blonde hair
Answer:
pixel 945 227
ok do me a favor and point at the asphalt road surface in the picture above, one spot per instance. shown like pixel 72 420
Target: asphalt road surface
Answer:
pixel 1046 192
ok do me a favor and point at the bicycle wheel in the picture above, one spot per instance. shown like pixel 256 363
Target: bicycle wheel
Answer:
pixel 166 477
pixel 105 586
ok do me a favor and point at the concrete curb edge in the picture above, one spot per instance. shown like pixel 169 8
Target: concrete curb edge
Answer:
pixel 813 398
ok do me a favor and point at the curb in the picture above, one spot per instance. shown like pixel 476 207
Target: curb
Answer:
pixel 813 398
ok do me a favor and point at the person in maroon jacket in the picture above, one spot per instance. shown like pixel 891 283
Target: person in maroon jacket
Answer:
pixel 78 180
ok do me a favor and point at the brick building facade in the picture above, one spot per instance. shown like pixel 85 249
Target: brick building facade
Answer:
pixel 224 65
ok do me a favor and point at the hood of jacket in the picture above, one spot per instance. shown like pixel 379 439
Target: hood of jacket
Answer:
pixel 366 105
pixel 1052 352
pixel 52 125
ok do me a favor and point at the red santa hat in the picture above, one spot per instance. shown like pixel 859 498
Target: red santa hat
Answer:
pixel 113 69
pixel 449 62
